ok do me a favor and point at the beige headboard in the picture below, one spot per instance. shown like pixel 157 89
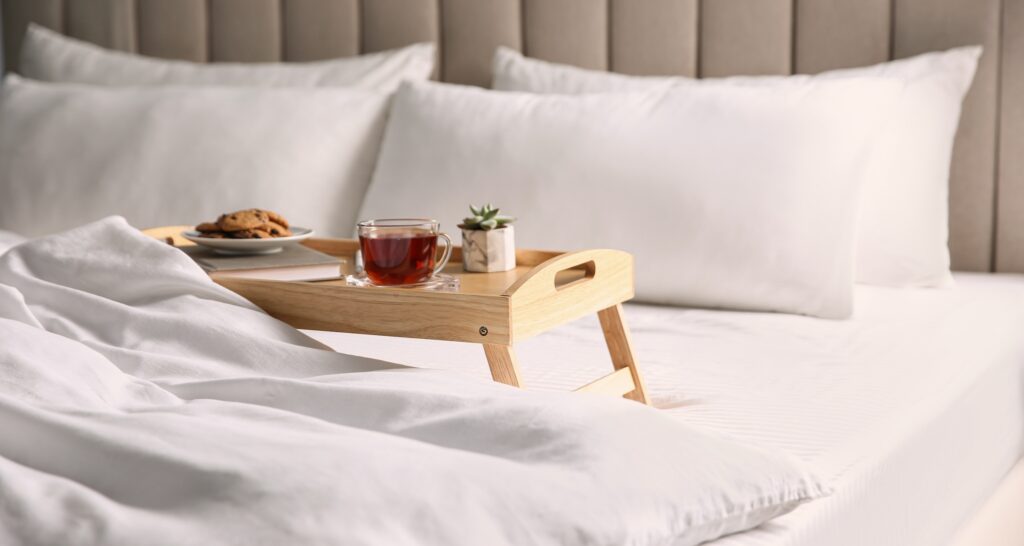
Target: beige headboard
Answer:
pixel 689 37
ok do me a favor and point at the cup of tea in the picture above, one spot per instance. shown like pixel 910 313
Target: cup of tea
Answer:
pixel 399 251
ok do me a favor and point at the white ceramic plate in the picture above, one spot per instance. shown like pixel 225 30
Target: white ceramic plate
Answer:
pixel 249 246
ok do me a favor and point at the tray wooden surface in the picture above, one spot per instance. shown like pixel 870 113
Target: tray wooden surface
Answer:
pixel 547 289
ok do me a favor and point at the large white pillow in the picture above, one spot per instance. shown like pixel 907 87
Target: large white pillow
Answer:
pixel 904 224
pixel 50 56
pixel 728 196
pixel 72 153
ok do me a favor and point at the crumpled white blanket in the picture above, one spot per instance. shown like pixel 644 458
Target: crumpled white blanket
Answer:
pixel 9 239
pixel 141 403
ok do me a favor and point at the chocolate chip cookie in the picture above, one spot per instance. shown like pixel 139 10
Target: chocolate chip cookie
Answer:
pixel 242 220
pixel 246 224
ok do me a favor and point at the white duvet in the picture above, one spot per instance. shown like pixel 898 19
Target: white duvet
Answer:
pixel 142 404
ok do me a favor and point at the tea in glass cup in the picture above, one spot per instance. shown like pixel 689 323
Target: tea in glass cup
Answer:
pixel 398 251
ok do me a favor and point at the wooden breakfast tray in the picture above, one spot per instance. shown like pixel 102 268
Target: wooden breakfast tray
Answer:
pixel 493 309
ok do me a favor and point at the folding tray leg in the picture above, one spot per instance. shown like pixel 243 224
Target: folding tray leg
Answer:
pixel 625 380
pixel 504 367
pixel 616 335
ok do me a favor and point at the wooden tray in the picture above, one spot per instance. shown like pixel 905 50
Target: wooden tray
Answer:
pixel 494 309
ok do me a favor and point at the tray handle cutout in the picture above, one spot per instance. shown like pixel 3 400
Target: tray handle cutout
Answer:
pixel 561 274
pixel 570 276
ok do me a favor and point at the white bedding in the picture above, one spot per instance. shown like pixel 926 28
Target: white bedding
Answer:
pixel 140 403
pixel 9 239
pixel 914 408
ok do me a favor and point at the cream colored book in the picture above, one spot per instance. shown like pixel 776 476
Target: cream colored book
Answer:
pixel 293 263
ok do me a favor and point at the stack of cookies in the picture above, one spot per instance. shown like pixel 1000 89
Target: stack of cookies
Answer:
pixel 246 224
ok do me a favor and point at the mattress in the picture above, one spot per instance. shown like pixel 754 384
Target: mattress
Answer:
pixel 913 409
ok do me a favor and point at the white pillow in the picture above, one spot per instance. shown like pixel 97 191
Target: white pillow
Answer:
pixel 73 153
pixel 904 223
pixel 50 56
pixel 728 196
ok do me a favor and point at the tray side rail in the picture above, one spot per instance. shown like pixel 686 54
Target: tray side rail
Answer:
pixel 382 311
pixel 541 300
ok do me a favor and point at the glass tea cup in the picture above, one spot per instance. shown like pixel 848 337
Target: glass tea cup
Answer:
pixel 400 251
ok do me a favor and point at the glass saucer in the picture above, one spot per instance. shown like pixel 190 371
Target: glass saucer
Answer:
pixel 440 281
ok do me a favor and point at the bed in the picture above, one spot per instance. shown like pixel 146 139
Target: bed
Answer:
pixel 914 408
pixel 884 398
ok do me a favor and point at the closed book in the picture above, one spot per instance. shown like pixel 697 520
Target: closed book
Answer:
pixel 292 263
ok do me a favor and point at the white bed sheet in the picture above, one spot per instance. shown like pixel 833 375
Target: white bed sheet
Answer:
pixel 914 408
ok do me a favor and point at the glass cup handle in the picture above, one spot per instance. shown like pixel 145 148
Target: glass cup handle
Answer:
pixel 447 253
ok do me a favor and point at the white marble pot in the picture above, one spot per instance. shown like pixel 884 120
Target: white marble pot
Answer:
pixel 488 251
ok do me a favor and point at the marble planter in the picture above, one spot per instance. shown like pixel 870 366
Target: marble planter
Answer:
pixel 488 251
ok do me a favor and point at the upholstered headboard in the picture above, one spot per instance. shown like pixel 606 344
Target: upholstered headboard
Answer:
pixel 688 37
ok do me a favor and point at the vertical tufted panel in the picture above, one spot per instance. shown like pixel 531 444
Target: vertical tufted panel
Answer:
pixel 841 34
pixel 320 29
pixel 747 37
pixel 109 23
pixel 472 30
pixel 927 25
pixel 654 37
pixel 245 30
pixel 17 14
pixel 173 30
pixel 1010 212
pixel 388 24
pixel 567 31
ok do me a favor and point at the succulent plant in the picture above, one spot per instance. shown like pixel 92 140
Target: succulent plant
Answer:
pixel 485 218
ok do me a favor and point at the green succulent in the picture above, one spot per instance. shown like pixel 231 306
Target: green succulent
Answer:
pixel 485 218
